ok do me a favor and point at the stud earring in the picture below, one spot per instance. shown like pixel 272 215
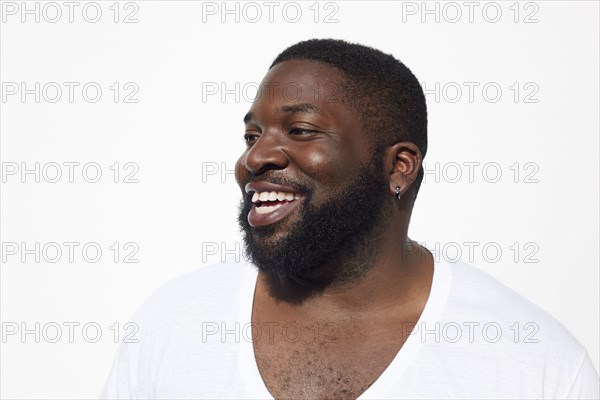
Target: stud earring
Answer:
pixel 398 195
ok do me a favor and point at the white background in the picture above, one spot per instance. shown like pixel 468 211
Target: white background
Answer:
pixel 180 217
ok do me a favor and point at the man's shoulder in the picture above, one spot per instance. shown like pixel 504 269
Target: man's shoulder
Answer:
pixel 481 339
pixel 482 292
pixel 212 278
pixel 477 295
pixel 204 291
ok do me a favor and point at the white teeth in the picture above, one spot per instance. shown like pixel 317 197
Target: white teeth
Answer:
pixel 265 209
pixel 272 196
pixel 264 196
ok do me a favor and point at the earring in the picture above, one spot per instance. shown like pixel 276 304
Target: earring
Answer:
pixel 398 195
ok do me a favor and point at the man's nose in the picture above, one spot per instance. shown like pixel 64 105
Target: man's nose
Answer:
pixel 266 153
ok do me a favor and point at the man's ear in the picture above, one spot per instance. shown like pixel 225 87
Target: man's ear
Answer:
pixel 402 163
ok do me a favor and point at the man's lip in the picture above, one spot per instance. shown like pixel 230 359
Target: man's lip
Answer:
pixel 287 207
pixel 263 186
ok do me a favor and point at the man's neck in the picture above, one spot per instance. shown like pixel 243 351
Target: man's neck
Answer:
pixel 399 277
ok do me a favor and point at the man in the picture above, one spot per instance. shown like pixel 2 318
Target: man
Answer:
pixel 343 304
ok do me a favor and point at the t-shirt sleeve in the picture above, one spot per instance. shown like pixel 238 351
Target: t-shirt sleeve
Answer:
pixel 128 379
pixel 586 384
pixel 121 383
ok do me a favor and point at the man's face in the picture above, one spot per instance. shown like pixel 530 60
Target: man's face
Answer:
pixel 313 190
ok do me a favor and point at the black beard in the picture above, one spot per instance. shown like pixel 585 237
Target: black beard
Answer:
pixel 334 242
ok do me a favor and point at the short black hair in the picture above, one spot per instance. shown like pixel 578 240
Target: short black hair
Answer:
pixel 385 93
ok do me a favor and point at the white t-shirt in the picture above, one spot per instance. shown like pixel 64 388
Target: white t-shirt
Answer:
pixel 476 339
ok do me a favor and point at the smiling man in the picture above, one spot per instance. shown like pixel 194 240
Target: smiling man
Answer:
pixel 336 301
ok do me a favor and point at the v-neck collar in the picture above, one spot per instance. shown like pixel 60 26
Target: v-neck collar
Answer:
pixel 440 288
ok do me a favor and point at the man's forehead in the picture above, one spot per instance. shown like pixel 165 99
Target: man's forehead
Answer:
pixel 299 86
pixel 291 109
pixel 303 67
pixel 299 78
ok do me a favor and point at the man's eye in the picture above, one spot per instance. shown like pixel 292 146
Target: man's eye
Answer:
pixel 300 131
pixel 250 138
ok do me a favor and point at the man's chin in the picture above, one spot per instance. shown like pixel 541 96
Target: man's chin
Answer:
pixel 265 242
pixel 275 268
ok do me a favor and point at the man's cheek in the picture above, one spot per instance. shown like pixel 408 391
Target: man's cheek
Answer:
pixel 240 171
pixel 326 167
pixel 324 174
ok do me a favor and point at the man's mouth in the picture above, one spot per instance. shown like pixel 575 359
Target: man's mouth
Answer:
pixel 271 206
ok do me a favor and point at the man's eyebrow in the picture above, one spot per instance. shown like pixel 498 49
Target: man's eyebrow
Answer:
pixel 293 108
pixel 301 108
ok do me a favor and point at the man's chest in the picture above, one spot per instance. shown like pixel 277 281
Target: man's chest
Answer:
pixel 323 360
